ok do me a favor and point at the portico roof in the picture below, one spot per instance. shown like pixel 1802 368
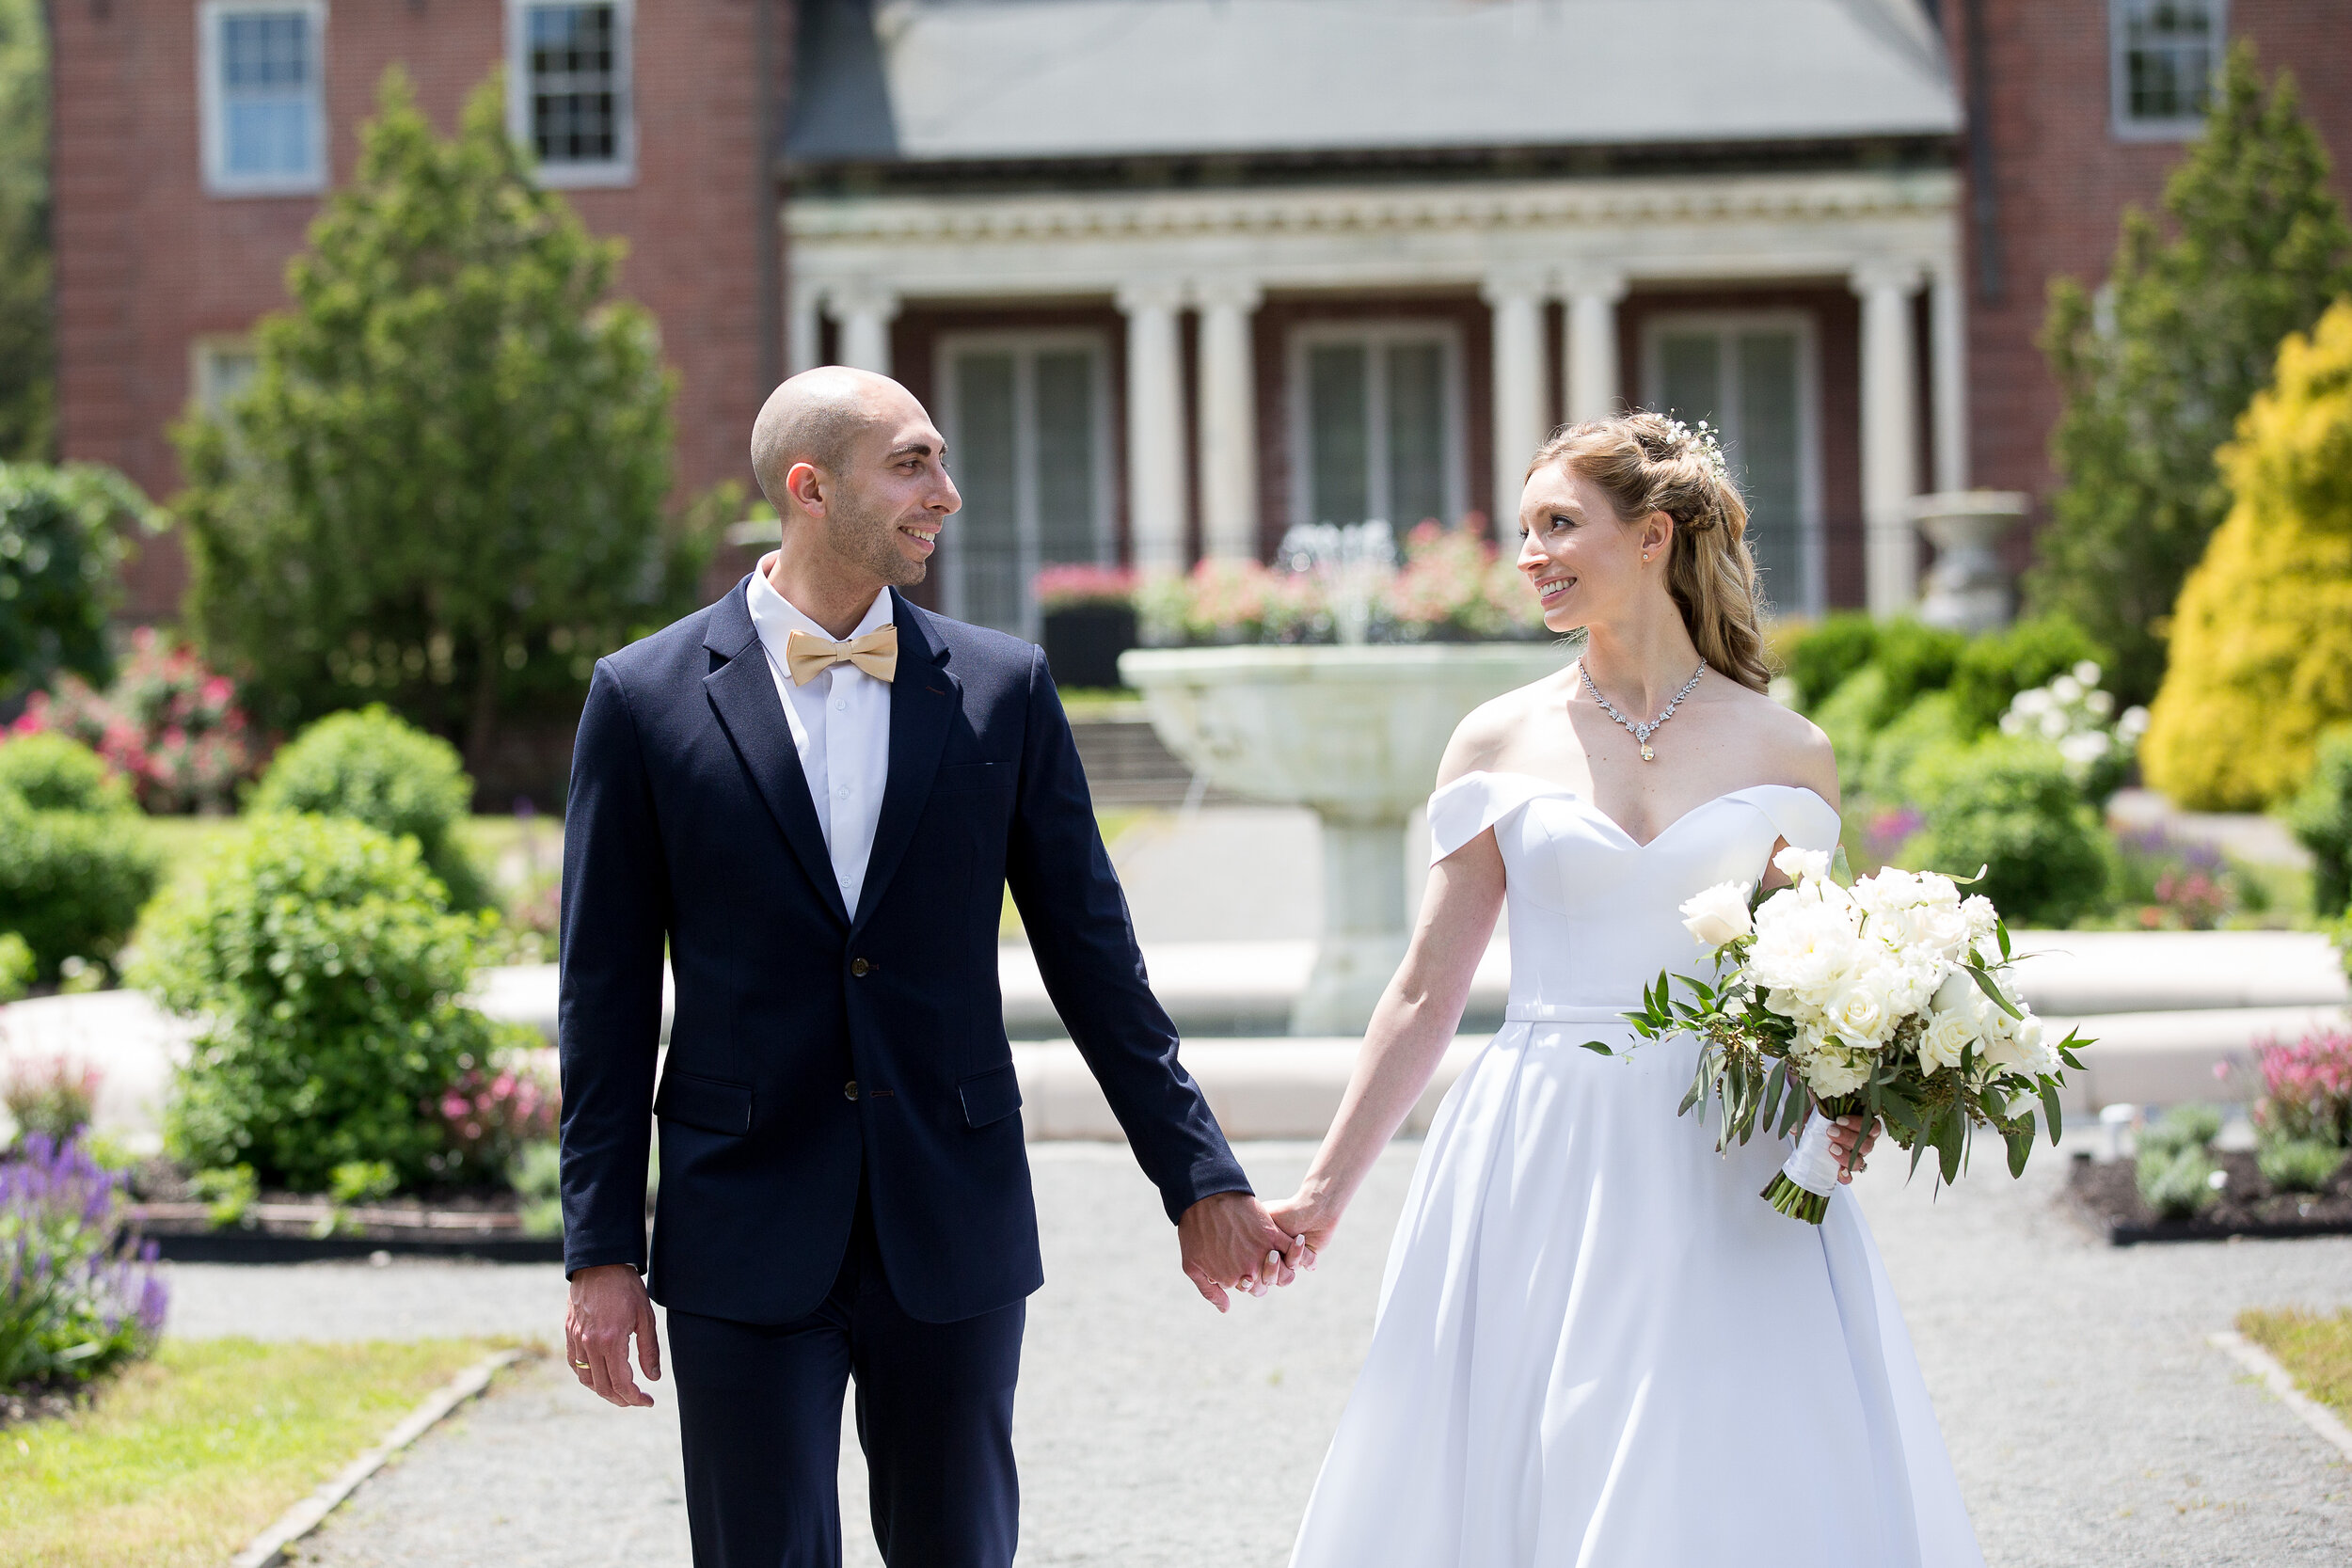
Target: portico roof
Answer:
pixel 949 81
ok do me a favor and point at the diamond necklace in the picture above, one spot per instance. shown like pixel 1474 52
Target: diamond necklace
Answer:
pixel 1641 732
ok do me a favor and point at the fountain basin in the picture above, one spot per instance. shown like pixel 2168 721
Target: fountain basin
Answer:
pixel 1353 732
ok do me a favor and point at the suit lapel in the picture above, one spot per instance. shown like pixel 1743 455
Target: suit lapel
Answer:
pixel 924 699
pixel 744 694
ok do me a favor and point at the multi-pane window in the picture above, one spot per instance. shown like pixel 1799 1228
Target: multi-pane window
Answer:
pixel 1751 379
pixel 224 368
pixel 2164 54
pixel 571 91
pixel 1026 423
pixel 265 107
pixel 1376 412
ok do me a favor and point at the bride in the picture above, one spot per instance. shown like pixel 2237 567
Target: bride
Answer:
pixel 1596 1344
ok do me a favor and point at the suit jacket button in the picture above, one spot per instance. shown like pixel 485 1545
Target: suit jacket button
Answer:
pixel 859 966
pixel 848 1090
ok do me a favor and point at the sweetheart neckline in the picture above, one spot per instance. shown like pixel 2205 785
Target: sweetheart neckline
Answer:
pixel 1579 797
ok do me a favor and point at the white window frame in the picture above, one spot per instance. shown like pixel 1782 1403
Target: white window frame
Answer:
pixel 212 140
pixel 1812 596
pixel 2128 127
pixel 1372 336
pixel 620 170
pixel 1025 345
pixel 205 355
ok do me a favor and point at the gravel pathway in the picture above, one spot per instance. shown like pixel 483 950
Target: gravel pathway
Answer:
pixel 2090 1422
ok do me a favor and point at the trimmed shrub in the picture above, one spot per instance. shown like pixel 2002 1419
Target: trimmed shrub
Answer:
pixel 2182 1127
pixel 371 767
pixel 1917 658
pixel 2320 817
pixel 326 967
pixel 2298 1164
pixel 49 772
pixel 72 883
pixel 1933 721
pixel 2176 1186
pixel 2008 805
pixel 1850 718
pixel 2261 639
pixel 1822 657
pixel 170 724
pixel 1993 669
pixel 17 969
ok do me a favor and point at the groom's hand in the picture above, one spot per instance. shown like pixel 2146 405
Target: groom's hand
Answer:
pixel 1229 1243
pixel 609 1304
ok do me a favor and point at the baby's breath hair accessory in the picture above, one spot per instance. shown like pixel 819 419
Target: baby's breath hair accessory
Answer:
pixel 1703 436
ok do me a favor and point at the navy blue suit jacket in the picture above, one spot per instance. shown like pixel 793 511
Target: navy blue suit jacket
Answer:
pixel 690 826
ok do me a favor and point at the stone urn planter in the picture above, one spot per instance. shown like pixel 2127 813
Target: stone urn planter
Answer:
pixel 1354 732
pixel 1966 588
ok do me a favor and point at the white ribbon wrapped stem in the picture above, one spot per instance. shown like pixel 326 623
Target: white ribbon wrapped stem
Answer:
pixel 1814 1165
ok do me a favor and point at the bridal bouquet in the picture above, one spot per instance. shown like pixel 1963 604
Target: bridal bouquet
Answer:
pixel 1885 1000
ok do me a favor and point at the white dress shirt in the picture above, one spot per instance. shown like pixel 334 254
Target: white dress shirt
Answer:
pixel 840 727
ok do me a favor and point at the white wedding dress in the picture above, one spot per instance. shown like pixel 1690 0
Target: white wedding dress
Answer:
pixel 1596 1344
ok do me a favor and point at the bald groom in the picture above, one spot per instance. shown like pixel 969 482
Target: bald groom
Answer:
pixel 809 795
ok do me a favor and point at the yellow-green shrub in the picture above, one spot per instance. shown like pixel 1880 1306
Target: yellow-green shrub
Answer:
pixel 2262 638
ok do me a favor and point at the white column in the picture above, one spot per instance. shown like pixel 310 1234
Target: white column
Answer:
pixel 866 314
pixel 1947 312
pixel 1890 459
pixel 1229 420
pixel 1155 425
pixel 1520 426
pixel 802 329
pixel 1591 358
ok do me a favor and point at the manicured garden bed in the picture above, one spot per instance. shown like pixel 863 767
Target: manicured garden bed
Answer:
pixel 179 1461
pixel 2107 1194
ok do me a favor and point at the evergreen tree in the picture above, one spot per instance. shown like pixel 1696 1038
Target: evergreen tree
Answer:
pixel 28 422
pixel 444 489
pixel 2259 248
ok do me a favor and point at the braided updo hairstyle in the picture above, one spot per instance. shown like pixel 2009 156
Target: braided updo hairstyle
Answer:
pixel 1645 463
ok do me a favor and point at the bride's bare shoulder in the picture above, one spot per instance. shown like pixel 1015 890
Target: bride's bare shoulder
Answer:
pixel 1792 745
pixel 1483 739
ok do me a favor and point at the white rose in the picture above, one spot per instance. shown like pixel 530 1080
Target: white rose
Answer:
pixel 1947 1036
pixel 1803 866
pixel 1858 1014
pixel 1830 1072
pixel 1981 917
pixel 1718 914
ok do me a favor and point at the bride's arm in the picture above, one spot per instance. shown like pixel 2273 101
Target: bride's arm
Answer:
pixel 1410 1029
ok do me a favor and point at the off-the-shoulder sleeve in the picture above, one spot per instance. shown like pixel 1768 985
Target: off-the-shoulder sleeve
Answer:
pixel 1804 818
pixel 1476 802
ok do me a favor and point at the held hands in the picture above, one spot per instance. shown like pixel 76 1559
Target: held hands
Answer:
pixel 608 1303
pixel 1229 1243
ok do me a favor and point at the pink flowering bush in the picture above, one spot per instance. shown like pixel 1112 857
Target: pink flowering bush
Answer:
pixel 170 724
pixel 1454 586
pixel 486 1119
pixel 1068 587
pixel 2307 1089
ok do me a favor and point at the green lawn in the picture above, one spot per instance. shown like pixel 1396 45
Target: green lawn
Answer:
pixel 185 1458
pixel 2316 1352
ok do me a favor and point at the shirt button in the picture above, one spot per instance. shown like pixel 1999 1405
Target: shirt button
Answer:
pixel 841 794
pixel 841 705
pixel 848 1090
pixel 859 967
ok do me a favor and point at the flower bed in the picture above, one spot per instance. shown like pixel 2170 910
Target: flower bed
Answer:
pixel 2107 1194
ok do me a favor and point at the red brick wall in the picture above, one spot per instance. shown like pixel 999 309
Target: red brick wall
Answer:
pixel 2062 177
pixel 148 262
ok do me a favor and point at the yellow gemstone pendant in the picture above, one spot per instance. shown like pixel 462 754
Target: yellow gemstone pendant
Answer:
pixel 1648 756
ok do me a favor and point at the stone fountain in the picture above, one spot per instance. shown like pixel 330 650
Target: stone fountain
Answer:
pixel 1967 590
pixel 1354 731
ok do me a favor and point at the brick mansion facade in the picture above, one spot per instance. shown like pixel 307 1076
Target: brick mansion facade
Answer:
pixel 1175 274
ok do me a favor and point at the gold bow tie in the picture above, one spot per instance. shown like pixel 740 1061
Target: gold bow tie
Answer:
pixel 876 653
